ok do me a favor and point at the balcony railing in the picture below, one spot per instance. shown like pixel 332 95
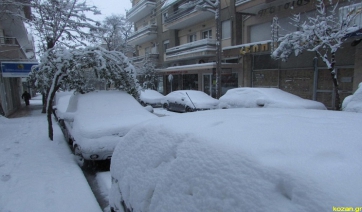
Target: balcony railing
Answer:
pixel 152 57
pixel 141 10
pixel 240 2
pixel 204 47
pixel 143 35
pixel 9 41
pixel 184 17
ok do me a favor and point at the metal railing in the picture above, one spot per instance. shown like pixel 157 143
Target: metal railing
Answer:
pixel 138 5
pixel 151 28
pixel 9 41
pixel 203 44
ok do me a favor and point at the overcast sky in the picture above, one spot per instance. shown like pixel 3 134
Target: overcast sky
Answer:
pixel 109 7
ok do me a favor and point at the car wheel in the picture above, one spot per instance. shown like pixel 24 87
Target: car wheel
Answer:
pixel 143 104
pixel 189 109
pixel 83 163
pixel 165 106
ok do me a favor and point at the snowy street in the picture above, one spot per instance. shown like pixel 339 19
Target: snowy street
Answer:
pixel 37 174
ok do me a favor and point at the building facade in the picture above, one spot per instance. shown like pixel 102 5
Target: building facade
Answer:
pixel 16 55
pixel 181 40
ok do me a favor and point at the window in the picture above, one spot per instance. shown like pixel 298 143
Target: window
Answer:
pixel 207 34
pixel 147 50
pixel 192 38
pixel 166 44
pixel 226 29
pixel 164 17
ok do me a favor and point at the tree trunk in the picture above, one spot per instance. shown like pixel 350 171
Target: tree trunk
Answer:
pixel 51 94
pixel 44 100
pixel 337 101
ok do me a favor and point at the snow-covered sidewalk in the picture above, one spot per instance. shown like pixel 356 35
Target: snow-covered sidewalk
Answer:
pixel 37 174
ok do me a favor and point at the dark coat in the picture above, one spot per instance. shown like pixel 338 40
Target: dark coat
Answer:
pixel 26 96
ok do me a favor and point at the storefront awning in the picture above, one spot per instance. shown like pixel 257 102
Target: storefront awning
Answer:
pixel 193 67
pixel 16 69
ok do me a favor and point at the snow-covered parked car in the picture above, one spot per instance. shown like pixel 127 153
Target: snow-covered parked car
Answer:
pixel 151 97
pixel 246 97
pixel 353 103
pixel 189 101
pixel 240 160
pixel 97 120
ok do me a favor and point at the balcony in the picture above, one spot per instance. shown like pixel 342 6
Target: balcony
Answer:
pixel 141 10
pixel 152 57
pixel 197 49
pixel 11 41
pixel 185 17
pixel 143 35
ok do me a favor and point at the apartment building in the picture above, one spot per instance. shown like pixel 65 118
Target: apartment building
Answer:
pixel 16 57
pixel 181 40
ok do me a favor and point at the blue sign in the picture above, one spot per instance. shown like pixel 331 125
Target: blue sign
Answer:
pixel 16 69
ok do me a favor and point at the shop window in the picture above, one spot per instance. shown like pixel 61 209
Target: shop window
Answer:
pixel 190 82
pixel 228 81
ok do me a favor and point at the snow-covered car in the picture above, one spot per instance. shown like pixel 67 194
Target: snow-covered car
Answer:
pixel 151 97
pixel 353 103
pixel 240 160
pixel 246 97
pixel 189 101
pixel 61 102
pixel 97 120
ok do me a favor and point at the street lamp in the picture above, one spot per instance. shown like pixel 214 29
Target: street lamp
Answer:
pixel 214 7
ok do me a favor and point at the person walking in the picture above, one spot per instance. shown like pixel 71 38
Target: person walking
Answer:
pixel 26 96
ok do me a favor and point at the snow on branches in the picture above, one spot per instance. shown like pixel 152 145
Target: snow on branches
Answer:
pixel 323 33
pixel 75 68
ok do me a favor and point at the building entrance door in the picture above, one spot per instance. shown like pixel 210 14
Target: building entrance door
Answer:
pixel 207 85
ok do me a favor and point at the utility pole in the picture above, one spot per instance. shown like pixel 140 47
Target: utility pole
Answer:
pixel 218 50
pixel 215 7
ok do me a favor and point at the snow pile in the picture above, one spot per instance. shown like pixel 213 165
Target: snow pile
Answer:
pixel 266 97
pixel 37 174
pixel 353 103
pixel 240 160
pixel 192 98
pixel 151 96
pixel 101 117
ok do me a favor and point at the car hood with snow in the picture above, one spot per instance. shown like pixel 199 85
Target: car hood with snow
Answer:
pixel 266 97
pixel 196 100
pixel 240 160
pixel 100 118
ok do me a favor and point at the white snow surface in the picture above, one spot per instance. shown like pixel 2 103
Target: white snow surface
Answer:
pixel 244 159
pixel 266 97
pixel 199 99
pixel 353 103
pixel 37 174
pixel 151 96
pixel 101 117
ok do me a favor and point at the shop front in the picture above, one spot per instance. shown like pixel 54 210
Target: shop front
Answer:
pixel 200 77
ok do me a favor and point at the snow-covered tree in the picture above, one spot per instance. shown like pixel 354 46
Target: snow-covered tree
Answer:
pixel 323 33
pixel 114 33
pixel 11 9
pixel 74 67
pixel 147 74
pixel 60 22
